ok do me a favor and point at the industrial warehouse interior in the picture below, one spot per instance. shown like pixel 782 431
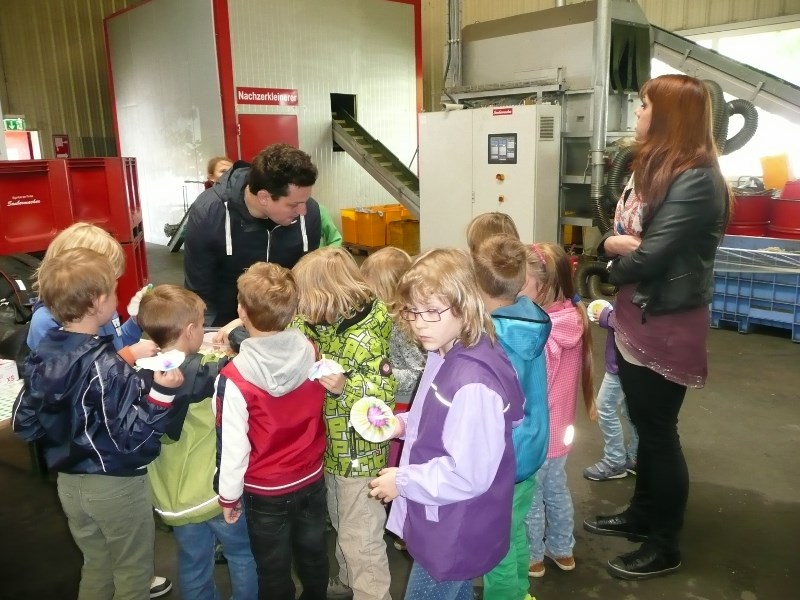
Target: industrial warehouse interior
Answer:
pixel 419 116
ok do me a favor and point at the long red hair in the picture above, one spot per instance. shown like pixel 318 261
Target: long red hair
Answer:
pixel 680 136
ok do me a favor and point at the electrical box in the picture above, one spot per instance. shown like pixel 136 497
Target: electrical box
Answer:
pixel 494 158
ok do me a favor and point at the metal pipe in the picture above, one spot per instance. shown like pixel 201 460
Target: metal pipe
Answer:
pixel 600 85
pixel 452 75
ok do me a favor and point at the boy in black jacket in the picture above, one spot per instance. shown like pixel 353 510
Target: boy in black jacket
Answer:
pixel 97 424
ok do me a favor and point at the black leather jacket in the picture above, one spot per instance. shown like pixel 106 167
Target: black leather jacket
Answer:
pixel 674 264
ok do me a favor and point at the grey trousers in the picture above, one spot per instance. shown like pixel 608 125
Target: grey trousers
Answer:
pixel 111 521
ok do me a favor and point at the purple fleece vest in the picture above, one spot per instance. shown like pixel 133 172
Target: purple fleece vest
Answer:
pixel 466 539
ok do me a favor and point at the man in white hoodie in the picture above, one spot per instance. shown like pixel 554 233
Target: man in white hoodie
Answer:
pixel 271 438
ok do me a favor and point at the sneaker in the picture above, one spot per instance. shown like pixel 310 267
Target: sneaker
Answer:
pixel 619 525
pixel 644 563
pixel 536 569
pixel 602 471
pixel 160 586
pixel 565 563
pixel 336 589
pixel 630 466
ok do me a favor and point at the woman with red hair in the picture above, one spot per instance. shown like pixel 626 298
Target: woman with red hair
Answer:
pixel 668 224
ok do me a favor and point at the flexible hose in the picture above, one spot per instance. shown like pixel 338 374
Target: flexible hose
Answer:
pixel 596 289
pixel 719 115
pixel 748 130
pixel 614 185
pixel 589 279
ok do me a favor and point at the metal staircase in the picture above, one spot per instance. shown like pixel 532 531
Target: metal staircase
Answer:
pixel 766 91
pixel 377 160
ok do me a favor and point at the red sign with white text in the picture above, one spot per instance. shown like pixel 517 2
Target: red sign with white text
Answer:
pixel 266 96
pixel 502 111
pixel 61 145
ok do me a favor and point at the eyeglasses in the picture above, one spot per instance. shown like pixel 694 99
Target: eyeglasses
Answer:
pixel 429 316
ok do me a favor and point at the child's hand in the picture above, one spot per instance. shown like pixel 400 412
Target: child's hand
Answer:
pixel 384 487
pixel 221 337
pixel 232 514
pixel 169 379
pixel 133 305
pixel 593 412
pixel 595 309
pixel 144 349
pixel 334 383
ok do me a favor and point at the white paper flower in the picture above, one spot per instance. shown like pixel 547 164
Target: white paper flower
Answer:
pixel 372 419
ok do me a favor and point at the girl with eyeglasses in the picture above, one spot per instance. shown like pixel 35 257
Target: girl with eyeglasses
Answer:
pixel 452 491
pixel 339 312
pixel 568 354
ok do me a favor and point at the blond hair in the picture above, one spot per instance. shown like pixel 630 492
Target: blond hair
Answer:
pixel 268 296
pixel 166 310
pixel 213 162
pixel 486 225
pixel 86 235
pixel 500 266
pixel 549 266
pixel 383 269
pixel 70 283
pixel 331 286
pixel 447 274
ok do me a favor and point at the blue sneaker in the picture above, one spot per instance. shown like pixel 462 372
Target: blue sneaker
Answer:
pixel 603 471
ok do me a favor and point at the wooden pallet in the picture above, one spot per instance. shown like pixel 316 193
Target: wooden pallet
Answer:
pixel 359 250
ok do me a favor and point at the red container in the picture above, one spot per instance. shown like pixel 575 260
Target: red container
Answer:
pixel 751 209
pixel 751 230
pixel 791 191
pixel 104 191
pixel 136 274
pixel 34 204
pixel 785 212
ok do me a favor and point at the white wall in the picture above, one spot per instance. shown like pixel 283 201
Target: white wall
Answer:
pixel 361 47
pixel 169 113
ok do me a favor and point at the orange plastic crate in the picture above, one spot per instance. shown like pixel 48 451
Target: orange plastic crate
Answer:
pixel 404 235
pixel 391 212
pixel 371 228
pixel 349 228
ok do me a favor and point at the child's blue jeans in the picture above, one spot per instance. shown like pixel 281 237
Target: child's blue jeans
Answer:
pixel 196 543
pixel 612 410
pixel 551 519
pixel 421 586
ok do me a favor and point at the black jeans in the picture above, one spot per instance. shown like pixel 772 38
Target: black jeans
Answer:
pixel 662 478
pixel 290 526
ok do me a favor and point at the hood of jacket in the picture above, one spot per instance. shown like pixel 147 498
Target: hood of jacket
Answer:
pixel 567 330
pixel 277 363
pixel 522 328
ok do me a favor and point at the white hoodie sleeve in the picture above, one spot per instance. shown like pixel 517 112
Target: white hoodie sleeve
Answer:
pixel 233 445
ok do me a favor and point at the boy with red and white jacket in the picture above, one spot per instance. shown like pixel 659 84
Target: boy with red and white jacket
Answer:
pixel 271 439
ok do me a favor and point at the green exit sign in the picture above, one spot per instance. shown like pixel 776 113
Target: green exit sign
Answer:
pixel 16 124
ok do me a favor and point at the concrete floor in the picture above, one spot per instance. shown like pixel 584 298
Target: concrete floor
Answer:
pixel 741 436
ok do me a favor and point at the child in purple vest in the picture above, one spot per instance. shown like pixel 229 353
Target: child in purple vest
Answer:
pixel 452 491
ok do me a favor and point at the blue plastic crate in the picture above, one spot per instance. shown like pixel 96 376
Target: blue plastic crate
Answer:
pixel 757 287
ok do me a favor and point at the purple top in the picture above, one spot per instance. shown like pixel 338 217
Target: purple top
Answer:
pixel 456 474
pixel 673 345
pixel 611 346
